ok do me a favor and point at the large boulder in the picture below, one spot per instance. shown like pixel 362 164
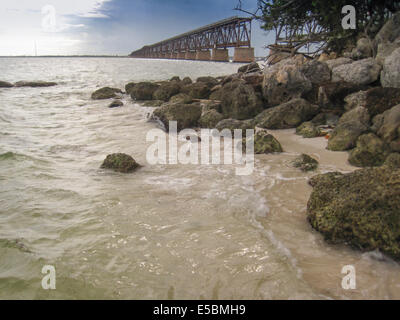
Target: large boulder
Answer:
pixel 388 38
pixel 166 91
pixel 181 98
pixel 389 130
pixel 364 49
pixel 390 76
pixel 393 160
pixel 186 81
pixel 361 72
pixel 144 91
pixel 316 71
pixel 375 100
pixel 369 152
pixel 35 84
pixel 361 209
pixel 210 119
pixel 129 86
pixel 5 84
pixel 359 114
pixel 186 115
pixel 240 101
pixel 284 81
pixel 209 81
pixel 287 115
pixel 105 93
pixel 120 162
pixel 338 62
pixel 198 90
pixel 345 135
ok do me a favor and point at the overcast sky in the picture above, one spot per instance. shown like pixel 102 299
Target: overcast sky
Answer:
pixel 116 27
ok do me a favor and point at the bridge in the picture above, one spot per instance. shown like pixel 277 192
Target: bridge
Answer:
pixel 234 32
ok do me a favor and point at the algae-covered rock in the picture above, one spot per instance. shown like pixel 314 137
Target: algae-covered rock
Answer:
pixel 210 119
pixel 116 104
pixel 5 84
pixel 129 87
pixel 359 114
pixel 232 124
pixel 181 98
pixel 209 81
pixel 35 84
pixel 152 103
pixel 316 71
pixel 105 93
pixel 186 81
pixel 393 160
pixel 369 152
pixel 166 91
pixel 331 95
pixel 198 90
pixel 288 115
pixel 345 135
pixel 308 130
pixel 120 162
pixel 252 67
pixel 264 143
pixel 186 115
pixel 305 163
pixel 390 124
pixel 361 209
pixel 390 76
pixel 144 91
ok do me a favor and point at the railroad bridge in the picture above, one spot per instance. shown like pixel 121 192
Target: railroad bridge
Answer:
pixel 234 32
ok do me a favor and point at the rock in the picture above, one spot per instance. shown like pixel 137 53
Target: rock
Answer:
pixel 240 101
pixel 120 162
pixel 198 90
pixel 210 119
pixel 317 72
pixel 144 91
pixel 369 152
pixel 277 56
pixel 264 143
pixel 308 130
pixel 361 209
pixel 187 81
pixel 175 78
pixel 209 81
pixel 232 124
pixel 305 163
pixel 375 100
pixel 331 95
pixel 390 31
pixel 338 62
pixel 385 49
pixel 181 98
pixel 105 93
pixel 5 84
pixel 359 114
pixel 328 119
pixel 345 135
pixel 390 76
pixel 186 115
pixel 252 67
pixel 116 104
pixel 129 87
pixel 208 105
pixel 393 160
pixel 389 130
pixel 361 72
pixel 166 91
pixel 288 115
pixel 232 77
pixel 364 49
pixel 284 81
pixel 253 78
pixel 35 84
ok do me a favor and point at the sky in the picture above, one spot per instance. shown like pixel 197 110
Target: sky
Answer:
pixel 109 27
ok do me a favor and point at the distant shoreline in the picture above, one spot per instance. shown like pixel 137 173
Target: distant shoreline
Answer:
pixel 72 56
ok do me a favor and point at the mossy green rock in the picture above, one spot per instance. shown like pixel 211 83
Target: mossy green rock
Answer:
pixel 232 124
pixel 181 98
pixel 198 90
pixel 393 160
pixel 369 152
pixel 105 93
pixel 308 130
pixel 210 119
pixel 361 209
pixel 120 162
pixel 166 91
pixel 186 115
pixel 265 143
pixel 129 87
pixel 144 91
pixel 345 135
pixel 305 163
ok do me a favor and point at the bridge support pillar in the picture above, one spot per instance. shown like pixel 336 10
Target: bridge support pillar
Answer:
pixel 244 55
pixel 203 55
pixel 190 55
pixel 173 55
pixel 220 55
pixel 181 55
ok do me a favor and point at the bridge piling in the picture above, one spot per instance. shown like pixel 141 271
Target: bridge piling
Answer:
pixel 203 55
pixel 221 55
pixel 244 55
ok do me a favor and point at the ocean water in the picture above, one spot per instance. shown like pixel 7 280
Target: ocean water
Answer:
pixel 165 231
